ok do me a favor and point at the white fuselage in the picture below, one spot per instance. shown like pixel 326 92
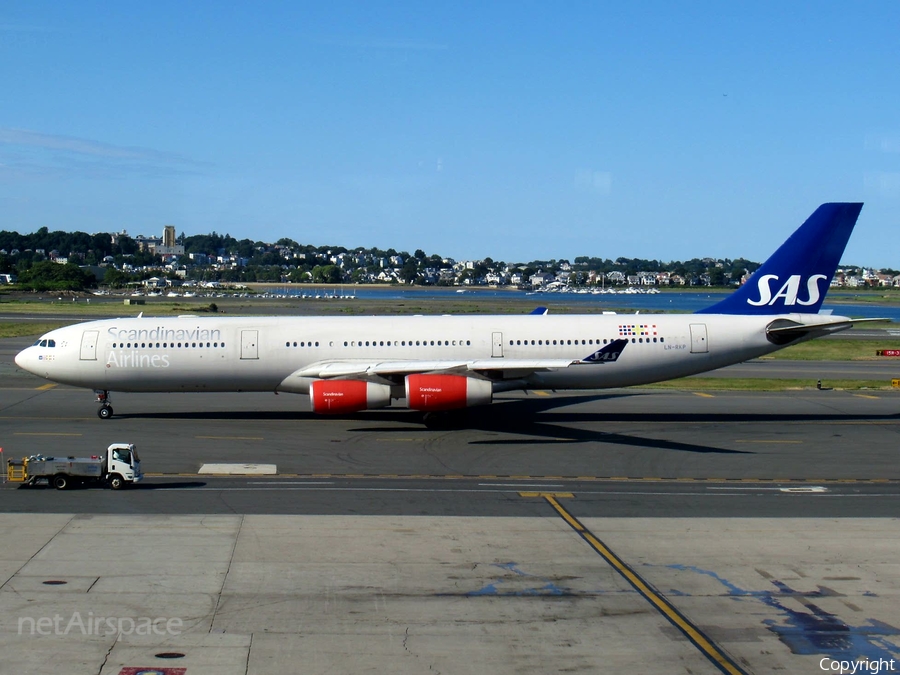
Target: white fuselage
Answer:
pixel 219 354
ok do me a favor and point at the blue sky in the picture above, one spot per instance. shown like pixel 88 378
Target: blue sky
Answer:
pixel 515 130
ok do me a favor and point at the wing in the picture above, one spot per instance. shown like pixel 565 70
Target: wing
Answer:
pixel 494 368
pixel 386 369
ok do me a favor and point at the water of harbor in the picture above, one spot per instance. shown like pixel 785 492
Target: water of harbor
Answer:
pixel 673 301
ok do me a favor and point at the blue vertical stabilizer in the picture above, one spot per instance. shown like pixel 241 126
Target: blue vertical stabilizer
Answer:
pixel 797 276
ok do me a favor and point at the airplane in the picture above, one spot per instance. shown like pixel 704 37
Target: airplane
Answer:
pixel 442 363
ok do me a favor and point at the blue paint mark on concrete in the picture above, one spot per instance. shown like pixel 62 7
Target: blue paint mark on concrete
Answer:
pixel 547 588
pixel 512 567
pixel 541 586
pixel 812 630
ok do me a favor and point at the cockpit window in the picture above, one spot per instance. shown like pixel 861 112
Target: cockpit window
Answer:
pixel 44 343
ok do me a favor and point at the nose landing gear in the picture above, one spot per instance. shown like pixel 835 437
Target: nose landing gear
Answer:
pixel 105 411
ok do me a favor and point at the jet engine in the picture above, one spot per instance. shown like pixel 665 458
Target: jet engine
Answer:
pixel 336 397
pixel 446 392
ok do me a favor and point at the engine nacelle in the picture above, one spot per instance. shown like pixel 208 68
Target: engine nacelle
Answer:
pixel 336 397
pixel 446 392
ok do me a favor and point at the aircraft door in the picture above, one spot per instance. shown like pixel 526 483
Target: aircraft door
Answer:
pixel 699 344
pixel 497 345
pixel 249 344
pixel 89 345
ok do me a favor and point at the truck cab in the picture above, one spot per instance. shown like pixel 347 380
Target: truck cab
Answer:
pixel 122 465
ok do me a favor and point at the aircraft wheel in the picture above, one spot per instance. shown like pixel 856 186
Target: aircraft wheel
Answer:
pixel 105 412
pixel 438 420
pixel 445 420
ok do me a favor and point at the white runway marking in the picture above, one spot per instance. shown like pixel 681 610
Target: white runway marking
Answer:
pixel 239 469
pixel 293 482
pixel 811 488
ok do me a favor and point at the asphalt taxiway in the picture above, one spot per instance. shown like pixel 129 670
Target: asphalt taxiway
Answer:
pixel 671 449
pixel 636 530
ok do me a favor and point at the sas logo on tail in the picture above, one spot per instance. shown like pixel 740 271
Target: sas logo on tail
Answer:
pixel 789 291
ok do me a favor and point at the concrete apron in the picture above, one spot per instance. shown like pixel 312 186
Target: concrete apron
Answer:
pixel 199 595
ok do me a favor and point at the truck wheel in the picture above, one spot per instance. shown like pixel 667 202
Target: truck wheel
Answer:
pixel 116 482
pixel 105 412
pixel 60 481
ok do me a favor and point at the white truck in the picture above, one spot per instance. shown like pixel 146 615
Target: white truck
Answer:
pixel 117 467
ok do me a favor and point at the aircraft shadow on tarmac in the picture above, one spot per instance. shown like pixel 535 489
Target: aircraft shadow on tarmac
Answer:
pixel 546 420
pixel 174 485
pixel 522 417
pixel 185 485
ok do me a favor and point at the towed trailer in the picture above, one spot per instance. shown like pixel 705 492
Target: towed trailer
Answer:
pixel 117 467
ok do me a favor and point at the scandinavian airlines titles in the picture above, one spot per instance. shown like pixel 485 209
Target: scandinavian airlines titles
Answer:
pixel 132 358
pixel 162 333
pixel 136 359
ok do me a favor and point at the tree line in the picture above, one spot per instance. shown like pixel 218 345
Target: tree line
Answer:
pixel 288 260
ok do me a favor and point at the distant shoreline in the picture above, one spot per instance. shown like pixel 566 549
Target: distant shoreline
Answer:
pixel 404 287
pixel 349 289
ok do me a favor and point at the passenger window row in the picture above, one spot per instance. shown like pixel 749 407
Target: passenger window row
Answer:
pixel 165 345
pixel 408 343
pixel 570 342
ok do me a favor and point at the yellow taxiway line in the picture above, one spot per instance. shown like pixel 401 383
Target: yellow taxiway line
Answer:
pixel 698 638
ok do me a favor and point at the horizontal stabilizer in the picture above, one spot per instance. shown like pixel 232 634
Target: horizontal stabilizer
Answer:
pixel 784 331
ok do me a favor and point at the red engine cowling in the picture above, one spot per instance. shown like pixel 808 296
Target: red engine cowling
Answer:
pixel 446 392
pixel 336 397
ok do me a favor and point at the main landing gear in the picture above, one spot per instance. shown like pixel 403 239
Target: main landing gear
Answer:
pixel 445 419
pixel 105 411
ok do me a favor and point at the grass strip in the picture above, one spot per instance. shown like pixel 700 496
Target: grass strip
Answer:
pixel 835 350
pixel 763 384
pixel 13 329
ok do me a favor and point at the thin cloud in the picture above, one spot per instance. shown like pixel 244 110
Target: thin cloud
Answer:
pixel 883 183
pixel 35 139
pixel 32 152
pixel 887 143
pixel 598 182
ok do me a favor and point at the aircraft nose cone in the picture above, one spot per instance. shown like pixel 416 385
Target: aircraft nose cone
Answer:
pixel 21 360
